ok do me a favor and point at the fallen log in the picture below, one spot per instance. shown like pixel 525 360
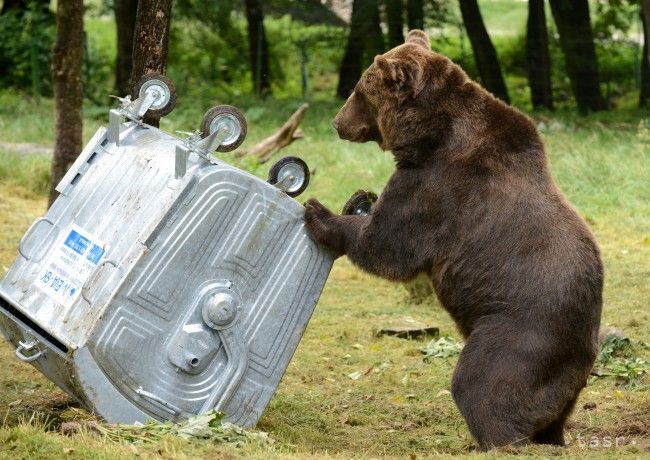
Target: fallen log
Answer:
pixel 284 136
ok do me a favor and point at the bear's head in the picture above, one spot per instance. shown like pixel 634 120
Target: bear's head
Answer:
pixel 402 100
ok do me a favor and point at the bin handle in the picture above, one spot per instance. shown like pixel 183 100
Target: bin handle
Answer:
pixel 93 278
pixel 28 235
pixel 22 346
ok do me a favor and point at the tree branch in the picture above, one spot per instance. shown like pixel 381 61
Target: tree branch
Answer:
pixel 284 136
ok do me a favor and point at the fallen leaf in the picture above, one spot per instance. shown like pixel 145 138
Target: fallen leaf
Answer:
pixel 356 375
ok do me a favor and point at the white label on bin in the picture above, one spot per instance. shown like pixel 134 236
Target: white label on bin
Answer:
pixel 69 265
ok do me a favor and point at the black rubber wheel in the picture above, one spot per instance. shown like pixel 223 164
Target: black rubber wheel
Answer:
pixel 295 167
pixel 359 204
pixel 169 93
pixel 228 114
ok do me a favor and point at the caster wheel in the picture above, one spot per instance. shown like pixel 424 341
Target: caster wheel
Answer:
pixel 359 203
pixel 231 118
pixel 291 175
pixel 165 102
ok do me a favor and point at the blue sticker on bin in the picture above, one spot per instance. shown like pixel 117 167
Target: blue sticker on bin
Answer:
pixel 95 254
pixel 69 265
pixel 77 243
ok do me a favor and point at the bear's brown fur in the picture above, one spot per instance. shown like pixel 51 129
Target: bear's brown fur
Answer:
pixel 472 204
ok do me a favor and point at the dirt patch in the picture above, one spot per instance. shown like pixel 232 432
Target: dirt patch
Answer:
pixel 25 148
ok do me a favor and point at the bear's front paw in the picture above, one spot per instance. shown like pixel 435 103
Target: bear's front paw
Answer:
pixel 323 227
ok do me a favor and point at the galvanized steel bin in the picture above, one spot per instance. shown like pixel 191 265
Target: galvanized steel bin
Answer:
pixel 162 283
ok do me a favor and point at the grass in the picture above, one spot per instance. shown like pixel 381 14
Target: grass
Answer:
pixel 348 393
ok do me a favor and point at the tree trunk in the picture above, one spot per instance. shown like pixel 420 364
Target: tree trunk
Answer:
pixel 365 41
pixel 67 60
pixel 415 14
pixel 576 40
pixel 350 70
pixel 485 55
pixel 258 48
pixel 374 36
pixel 394 18
pixel 538 57
pixel 644 95
pixel 151 36
pixel 125 12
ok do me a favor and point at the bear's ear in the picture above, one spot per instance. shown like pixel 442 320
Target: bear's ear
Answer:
pixel 407 77
pixel 418 37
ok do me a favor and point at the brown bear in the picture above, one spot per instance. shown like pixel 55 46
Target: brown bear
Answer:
pixel 473 205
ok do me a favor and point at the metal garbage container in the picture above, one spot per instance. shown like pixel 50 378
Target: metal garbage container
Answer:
pixel 163 282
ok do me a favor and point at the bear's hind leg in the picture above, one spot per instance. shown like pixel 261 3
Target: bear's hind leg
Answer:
pixel 554 433
pixel 504 392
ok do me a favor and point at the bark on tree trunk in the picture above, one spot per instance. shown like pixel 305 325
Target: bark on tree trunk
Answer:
pixel 350 70
pixel 644 95
pixel 645 11
pixel 365 41
pixel 150 41
pixel 67 60
pixel 395 20
pixel 537 55
pixel 125 12
pixel 259 48
pixel 576 39
pixel 375 43
pixel 485 55
pixel 415 14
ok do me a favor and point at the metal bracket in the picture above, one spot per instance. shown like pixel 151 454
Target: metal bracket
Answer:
pixel 132 110
pixel 202 147
pixel 168 406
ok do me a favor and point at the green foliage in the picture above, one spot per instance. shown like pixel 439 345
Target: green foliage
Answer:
pixel 26 49
pixel 209 51
pixel 616 360
pixel 444 347
pixel 208 426
pixel 619 54
pixel 614 17
pixel 98 72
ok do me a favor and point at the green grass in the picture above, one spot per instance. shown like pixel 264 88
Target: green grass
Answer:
pixel 400 406
pixel 504 17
